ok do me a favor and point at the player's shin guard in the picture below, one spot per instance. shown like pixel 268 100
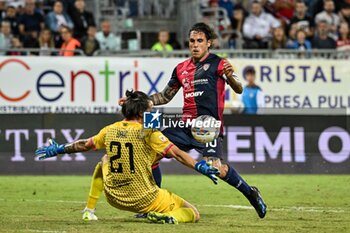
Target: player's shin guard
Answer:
pixel 157 175
pixel 96 187
pixel 183 215
pixel 234 179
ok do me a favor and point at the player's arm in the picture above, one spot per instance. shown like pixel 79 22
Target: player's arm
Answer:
pixel 55 149
pixel 164 96
pixel 168 92
pixel 81 145
pixel 187 160
pixel 231 78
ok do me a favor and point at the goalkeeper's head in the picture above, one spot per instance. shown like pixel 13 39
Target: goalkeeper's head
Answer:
pixel 135 105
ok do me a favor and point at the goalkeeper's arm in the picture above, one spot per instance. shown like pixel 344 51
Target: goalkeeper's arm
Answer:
pixel 187 160
pixel 55 149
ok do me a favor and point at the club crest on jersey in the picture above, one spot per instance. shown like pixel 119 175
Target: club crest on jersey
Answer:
pixel 206 66
pixel 162 138
pixel 186 84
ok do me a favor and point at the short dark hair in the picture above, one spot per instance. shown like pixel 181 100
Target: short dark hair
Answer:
pixel 202 27
pixel 136 103
pixel 70 30
pixel 250 70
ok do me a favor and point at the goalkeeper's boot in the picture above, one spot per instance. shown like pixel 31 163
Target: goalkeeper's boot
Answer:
pixel 257 202
pixel 161 218
pixel 89 215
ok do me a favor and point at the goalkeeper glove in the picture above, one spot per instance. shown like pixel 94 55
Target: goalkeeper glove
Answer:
pixel 52 150
pixel 210 171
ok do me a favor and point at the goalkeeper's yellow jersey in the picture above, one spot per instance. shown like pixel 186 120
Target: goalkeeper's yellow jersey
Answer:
pixel 131 151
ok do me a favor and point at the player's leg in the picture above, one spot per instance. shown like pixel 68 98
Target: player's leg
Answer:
pixel 157 174
pixel 170 208
pixel 96 189
pixel 212 152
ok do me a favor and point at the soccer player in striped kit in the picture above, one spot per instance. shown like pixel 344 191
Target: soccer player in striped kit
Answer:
pixel 203 78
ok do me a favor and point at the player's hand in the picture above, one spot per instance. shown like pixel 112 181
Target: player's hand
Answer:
pixel 121 101
pixel 52 150
pixel 210 171
pixel 228 69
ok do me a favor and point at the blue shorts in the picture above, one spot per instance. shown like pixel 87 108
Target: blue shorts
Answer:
pixel 183 139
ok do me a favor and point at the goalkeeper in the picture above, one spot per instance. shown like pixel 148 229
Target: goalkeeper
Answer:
pixel 126 168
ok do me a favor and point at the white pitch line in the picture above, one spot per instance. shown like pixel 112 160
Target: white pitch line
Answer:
pixel 44 231
pixel 287 209
pixel 241 207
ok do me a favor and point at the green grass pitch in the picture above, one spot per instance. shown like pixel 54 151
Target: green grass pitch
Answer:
pixel 296 203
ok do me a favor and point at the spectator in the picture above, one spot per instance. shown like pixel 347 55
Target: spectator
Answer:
pixel 5 36
pixel 237 19
pixel 344 13
pixel 162 44
pixel 16 44
pixel 284 9
pixel 11 16
pixel 228 6
pixel 82 19
pixel 279 39
pixel 301 43
pixel 322 39
pixel 90 44
pixel 31 41
pixel 315 7
pixel 303 21
pixel 216 16
pixel 330 17
pixel 69 43
pixel 46 42
pixel 343 42
pixel 30 21
pixel 107 39
pixel 292 34
pixel 2 9
pixel 341 4
pixel 236 39
pixel 56 18
pixel 258 26
pixel 252 96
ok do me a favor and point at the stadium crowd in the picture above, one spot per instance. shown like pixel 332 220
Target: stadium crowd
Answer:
pixel 281 24
pixel 247 24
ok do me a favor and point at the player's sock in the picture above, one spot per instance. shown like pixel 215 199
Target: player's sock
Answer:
pixel 96 187
pixel 183 214
pixel 157 174
pixel 234 179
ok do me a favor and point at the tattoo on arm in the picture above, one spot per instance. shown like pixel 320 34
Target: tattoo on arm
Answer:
pixel 235 84
pixel 164 96
pixel 78 146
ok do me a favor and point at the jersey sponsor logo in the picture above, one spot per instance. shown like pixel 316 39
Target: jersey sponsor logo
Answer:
pixel 194 94
pixel 184 72
pixel 202 81
pixel 206 66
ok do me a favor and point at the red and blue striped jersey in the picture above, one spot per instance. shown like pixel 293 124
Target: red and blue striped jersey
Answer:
pixel 203 87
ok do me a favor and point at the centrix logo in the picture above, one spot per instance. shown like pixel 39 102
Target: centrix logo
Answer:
pixel 151 120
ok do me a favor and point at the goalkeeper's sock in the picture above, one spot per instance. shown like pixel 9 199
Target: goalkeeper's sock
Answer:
pixel 96 187
pixel 234 179
pixel 183 214
pixel 157 175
